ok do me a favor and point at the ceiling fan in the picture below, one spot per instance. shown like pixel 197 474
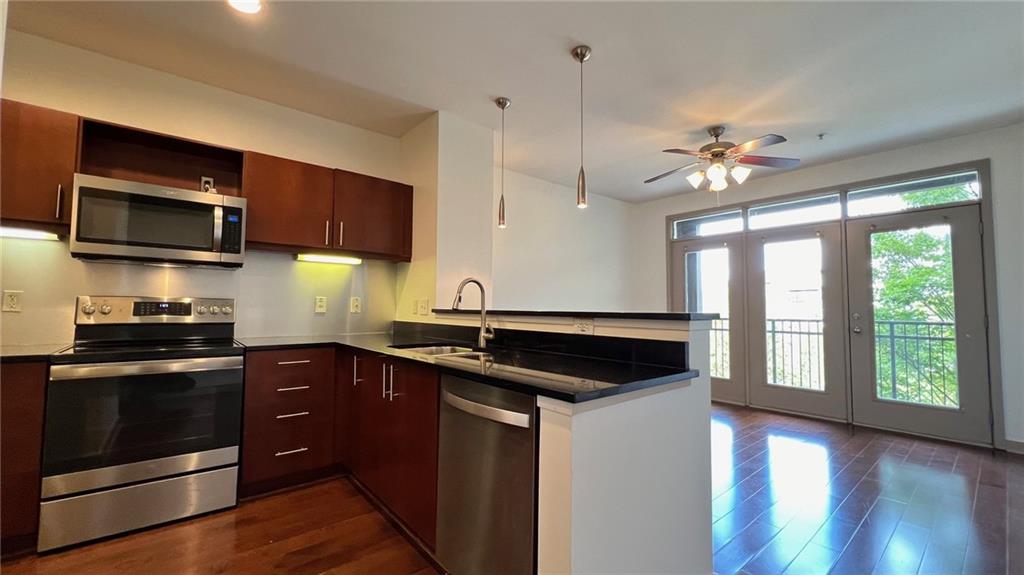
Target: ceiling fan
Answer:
pixel 717 154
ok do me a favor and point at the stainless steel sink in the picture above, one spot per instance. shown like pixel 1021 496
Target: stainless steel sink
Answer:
pixel 436 350
pixel 471 355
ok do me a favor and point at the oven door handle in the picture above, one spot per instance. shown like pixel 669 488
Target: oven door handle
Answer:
pixel 131 368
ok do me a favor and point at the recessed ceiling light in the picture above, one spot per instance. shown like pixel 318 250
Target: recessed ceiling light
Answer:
pixel 246 6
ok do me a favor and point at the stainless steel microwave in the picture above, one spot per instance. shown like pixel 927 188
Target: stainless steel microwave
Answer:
pixel 117 219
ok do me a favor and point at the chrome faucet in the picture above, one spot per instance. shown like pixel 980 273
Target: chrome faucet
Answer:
pixel 486 332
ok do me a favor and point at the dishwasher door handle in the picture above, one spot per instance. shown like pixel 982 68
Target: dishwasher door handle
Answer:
pixel 487 412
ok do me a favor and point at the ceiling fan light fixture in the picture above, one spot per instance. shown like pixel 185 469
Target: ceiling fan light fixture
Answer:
pixel 716 172
pixel 718 185
pixel 740 173
pixel 246 6
pixel 696 179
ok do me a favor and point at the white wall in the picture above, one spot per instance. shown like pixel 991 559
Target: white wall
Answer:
pixel 274 293
pixel 556 256
pixel 1003 146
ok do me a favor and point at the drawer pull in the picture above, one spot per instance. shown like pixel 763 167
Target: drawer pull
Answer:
pixel 291 451
pixel 296 388
pixel 287 415
pixel 293 362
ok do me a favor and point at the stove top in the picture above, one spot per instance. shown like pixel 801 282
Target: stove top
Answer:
pixel 100 353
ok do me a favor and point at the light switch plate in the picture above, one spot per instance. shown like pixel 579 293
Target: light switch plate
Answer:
pixel 12 300
pixel 355 305
pixel 583 325
pixel 423 307
pixel 320 304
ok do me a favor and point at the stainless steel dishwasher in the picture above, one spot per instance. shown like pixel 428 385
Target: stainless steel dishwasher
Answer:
pixel 486 502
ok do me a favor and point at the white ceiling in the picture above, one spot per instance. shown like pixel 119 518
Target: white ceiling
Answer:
pixel 869 75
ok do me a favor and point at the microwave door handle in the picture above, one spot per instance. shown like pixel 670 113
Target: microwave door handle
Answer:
pixel 218 226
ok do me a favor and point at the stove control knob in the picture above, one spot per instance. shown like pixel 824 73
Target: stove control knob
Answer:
pixel 214 310
pixel 106 309
pixel 88 309
pixel 201 310
pixel 227 310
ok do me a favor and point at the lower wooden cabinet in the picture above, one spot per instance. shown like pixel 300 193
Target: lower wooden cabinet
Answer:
pixel 288 430
pixel 21 439
pixel 395 446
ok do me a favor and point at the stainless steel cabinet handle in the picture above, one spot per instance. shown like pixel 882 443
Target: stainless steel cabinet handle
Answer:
pixel 296 388
pixel 383 381
pixel 341 233
pixel 327 233
pixel 287 415
pixel 487 412
pixel 355 370
pixel 60 196
pixel 293 362
pixel 391 382
pixel 291 451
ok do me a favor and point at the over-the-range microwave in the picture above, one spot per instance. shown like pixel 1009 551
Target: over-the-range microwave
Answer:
pixel 117 219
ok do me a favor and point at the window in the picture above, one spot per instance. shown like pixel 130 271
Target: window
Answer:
pixel 904 196
pixel 711 225
pixel 802 211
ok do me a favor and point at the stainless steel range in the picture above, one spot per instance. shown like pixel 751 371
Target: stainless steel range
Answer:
pixel 143 417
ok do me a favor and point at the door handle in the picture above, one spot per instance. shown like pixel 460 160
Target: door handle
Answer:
pixel 355 371
pixel 327 233
pixel 291 451
pixel 383 381
pixel 296 388
pixel 857 330
pixel 288 415
pixel 60 196
pixel 391 382
pixel 294 362
pixel 341 233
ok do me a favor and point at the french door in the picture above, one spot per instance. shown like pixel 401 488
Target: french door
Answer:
pixel 795 317
pixel 709 276
pixel 918 343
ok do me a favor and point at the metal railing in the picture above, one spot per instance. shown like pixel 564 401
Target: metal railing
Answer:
pixel 915 361
pixel 796 356
pixel 720 348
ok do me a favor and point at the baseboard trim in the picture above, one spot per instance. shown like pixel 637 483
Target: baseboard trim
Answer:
pixel 1015 446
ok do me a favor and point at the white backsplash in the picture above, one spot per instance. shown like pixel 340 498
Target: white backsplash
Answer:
pixel 274 293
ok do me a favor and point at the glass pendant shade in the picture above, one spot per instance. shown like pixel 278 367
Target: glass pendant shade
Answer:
pixel 581 189
pixel 696 179
pixel 717 171
pixel 718 185
pixel 740 173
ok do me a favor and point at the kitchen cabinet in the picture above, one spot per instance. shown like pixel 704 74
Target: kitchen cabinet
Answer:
pixel 351 367
pixel 38 152
pixel 21 440
pixel 289 203
pixel 372 215
pixel 396 440
pixel 288 425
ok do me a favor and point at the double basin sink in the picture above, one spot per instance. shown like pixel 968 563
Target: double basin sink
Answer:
pixel 445 351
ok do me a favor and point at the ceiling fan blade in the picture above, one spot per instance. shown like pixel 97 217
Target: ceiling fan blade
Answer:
pixel 768 161
pixel 682 151
pixel 755 144
pixel 669 173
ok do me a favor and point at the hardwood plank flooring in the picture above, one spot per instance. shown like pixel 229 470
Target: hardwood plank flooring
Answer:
pixel 325 528
pixel 795 495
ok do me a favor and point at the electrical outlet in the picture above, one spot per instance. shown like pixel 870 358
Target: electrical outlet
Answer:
pixel 320 304
pixel 355 305
pixel 583 325
pixel 423 307
pixel 12 300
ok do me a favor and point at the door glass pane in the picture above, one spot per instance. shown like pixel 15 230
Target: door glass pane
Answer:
pixel 913 302
pixel 803 211
pixel 707 290
pixel 914 194
pixel 710 225
pixel 794 313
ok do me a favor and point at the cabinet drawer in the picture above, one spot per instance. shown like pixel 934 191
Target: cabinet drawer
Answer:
pixel 271 375
pixel 286 443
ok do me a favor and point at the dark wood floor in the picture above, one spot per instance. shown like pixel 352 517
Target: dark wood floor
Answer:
pixel 326 528
pixel 792 495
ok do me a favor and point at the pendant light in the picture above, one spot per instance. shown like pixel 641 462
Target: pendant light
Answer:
pixel 581 54
pixel 502 103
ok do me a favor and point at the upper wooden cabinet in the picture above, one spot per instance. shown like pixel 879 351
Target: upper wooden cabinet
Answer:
pixel 38 152
pixel 289 203
pixel 372 215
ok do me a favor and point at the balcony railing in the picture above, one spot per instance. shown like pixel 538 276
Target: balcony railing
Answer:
pixel 720 348
pixel 915 361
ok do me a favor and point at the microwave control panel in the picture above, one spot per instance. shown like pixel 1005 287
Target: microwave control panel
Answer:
pixel 231 231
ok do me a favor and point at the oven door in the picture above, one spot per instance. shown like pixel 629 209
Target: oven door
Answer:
pixel 116 218
pixel 111 424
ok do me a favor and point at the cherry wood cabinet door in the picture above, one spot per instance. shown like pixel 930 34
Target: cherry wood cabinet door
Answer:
pixel 21 439
pixel 289 203
pixel 412 490
pixel 372 215
pixel 351 374
pixel 371 439
pixel 38 152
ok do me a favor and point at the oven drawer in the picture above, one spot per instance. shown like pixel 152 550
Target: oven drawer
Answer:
pixel 273 375
pixel 281 444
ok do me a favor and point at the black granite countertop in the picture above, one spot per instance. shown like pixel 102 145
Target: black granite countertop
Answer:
pixel 658 315
pixel 565 377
